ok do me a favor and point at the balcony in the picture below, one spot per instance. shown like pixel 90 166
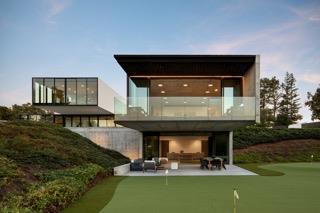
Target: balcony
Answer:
pixel 186 109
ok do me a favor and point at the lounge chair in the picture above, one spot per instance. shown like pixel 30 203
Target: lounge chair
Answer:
pixel 136 165
pixel 204 163
pixel 149 165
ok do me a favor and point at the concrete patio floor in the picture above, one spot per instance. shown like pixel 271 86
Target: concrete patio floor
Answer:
pixel 194 170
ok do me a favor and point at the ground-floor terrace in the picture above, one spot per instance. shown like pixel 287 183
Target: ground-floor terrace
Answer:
pixel 188 147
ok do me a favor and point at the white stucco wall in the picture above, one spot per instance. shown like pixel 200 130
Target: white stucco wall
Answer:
pixel 124 140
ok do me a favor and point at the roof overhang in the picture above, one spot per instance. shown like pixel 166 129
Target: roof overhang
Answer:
pixel 185 65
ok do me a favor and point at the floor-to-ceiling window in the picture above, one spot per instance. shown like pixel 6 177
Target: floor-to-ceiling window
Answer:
pixel 150 146
pixel 71 91
pixel 92 91
pixel 59 93
pixel 138 93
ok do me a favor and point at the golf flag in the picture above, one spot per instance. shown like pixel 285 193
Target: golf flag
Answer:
pixel 235 194
pixel 167 171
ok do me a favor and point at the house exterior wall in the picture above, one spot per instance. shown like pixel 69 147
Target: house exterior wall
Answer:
pixel 106 96
pixel 124 140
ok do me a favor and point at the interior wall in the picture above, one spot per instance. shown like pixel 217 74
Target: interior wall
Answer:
pixel 187 144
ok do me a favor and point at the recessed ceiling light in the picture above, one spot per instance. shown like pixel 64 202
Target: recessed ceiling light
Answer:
pixel 163 91
pixel 207 91
pixel 185 102
pixel 210 85
pixel 216 90
pixel 166 102
pixel 82 85
pixel 160 85
pixel 204 98
pixel 185 85
pixel 202 102
pixel 165 98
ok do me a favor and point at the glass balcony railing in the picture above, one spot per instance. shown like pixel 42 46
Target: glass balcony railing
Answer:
pixel 185 108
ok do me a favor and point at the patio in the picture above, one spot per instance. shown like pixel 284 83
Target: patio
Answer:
pixel 186 169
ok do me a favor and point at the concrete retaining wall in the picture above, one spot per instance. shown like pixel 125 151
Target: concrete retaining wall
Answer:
pixel 124 140
pixel 121 170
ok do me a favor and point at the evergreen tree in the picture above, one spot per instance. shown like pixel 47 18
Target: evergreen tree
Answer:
pixel 314 104
pixel 274 95
pixel 289 105
pixel 264 92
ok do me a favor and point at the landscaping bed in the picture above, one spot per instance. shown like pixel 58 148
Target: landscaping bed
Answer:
pixel 44 167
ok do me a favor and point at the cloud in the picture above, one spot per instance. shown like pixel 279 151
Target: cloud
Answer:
pixel 55 8
pixel 313 78
pixel 307 13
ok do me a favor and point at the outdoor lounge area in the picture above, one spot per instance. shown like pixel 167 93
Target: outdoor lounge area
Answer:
pixel 187 169
pixel 207 166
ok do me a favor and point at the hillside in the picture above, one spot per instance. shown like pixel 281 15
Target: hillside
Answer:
pixel 44 167
pixel 299 150
pixel 249 136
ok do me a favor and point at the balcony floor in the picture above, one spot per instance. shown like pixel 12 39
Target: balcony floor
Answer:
pixel 184 125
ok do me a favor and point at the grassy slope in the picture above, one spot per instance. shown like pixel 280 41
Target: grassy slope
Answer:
pixel 296 191
pixel 283 151
pixel 245 137
pixel 38 159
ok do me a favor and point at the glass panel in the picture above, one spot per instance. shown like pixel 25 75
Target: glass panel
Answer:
pixel 81 91
pixel 150 147
pixel 59 95
pixel 93 121
pixel 193 108
pixel 106 121
pixel 76 121
pixel 72 91
pixel 38 91
pixel 102 121
pixel 58 120
pixel 221 141
pixel 92 91
pixel 85 121
pixel 49 87
pixel 67 121
pixel 138 91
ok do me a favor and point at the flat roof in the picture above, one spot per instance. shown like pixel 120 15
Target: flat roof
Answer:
pixel 185 65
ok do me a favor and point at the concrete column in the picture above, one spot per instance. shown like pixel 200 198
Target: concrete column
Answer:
pixel 230 147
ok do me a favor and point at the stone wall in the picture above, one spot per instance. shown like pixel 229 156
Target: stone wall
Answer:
pixel 124 140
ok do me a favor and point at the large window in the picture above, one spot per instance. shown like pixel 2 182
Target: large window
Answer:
pixel 38 91
pixel 81 91
pixel 49 88
pixel 92 95
pixel 71 91
pixel 59 93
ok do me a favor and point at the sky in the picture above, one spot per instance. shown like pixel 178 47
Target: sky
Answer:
pixel 68 38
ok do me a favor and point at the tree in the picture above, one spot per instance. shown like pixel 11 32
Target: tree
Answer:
pixel 264 82
pixel 274 95
pixel 25 111
pixel 269 100
pixel 5 113
pixel 289 105
pixel 314 104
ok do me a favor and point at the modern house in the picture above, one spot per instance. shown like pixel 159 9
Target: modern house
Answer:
pixel 175 104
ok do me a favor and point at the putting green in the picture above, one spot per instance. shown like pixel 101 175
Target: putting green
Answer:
pixel 296 191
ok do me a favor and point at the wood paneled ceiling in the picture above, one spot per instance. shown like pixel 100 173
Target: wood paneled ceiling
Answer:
pixel 185 65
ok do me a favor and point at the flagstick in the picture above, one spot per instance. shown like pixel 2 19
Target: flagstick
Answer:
pixel 167 171
pixel 234 205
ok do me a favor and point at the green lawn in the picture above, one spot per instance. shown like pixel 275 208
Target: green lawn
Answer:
pixel 297 190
